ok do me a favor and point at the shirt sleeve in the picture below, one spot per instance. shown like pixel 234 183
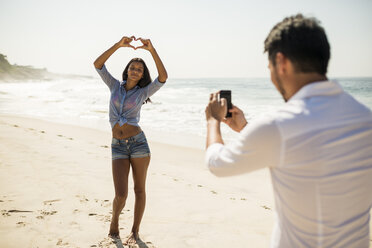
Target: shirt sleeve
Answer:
pixel 109 80
pixel 258 146
pixel 153 87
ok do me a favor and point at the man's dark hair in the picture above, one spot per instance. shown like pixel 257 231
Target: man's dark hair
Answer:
pixel 303 41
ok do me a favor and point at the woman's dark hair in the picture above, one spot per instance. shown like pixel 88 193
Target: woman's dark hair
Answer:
pixel 146 78
pixel 303 41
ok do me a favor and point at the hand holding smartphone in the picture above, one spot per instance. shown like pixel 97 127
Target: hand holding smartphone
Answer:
pixel 227 95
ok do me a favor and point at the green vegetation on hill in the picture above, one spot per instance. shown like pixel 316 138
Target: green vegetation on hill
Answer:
pixel 10 72
pixel 15 72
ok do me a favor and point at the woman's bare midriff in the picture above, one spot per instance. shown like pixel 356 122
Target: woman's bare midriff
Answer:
pixel 125 131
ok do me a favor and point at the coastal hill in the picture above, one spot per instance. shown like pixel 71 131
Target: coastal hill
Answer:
pixel 14 73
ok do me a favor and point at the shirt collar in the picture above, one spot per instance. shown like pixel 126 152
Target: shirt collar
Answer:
pixel 122 84
pixel 319 88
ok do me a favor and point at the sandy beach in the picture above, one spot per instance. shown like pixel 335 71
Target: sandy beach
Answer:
pixel 56 190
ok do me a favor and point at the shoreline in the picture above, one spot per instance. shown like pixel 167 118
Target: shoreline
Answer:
pixel 56 190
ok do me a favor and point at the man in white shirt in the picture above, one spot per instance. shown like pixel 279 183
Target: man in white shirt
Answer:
pixel 318 147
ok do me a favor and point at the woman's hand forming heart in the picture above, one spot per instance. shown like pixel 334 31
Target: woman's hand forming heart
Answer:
pixel 147 45
pixel 125 41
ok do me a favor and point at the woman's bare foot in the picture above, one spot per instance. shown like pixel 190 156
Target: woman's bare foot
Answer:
pixel 131 239
pixel 114 230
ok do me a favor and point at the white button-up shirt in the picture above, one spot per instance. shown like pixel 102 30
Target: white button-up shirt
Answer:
pixel 319 151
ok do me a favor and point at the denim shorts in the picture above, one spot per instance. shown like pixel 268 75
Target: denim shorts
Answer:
pixel 132 147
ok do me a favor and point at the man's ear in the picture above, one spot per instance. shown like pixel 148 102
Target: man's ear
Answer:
pixel 281 63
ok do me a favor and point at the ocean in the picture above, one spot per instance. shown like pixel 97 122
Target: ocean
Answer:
pixel 178 107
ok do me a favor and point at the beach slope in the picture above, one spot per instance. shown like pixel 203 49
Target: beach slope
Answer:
pixel 56 190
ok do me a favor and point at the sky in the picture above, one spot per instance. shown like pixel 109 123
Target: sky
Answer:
pixel 194 38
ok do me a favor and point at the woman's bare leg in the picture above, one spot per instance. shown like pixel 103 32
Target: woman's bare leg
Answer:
pixel 120 172
pixel 139 171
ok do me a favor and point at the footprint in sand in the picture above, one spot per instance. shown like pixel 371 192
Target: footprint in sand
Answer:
pixel 45 213
pixel 103 203
pixel 104 218
pixel 107 219
pixel 122 212
pixel 213 192
pixel 5 213
pixel 61 243
pixel 104 146
pixel 82 198
pixel 50 202
pixel 15 126
pixel 60 135
pixel 106 203
pixel 42 131
pixel 21 224
pixel 265 207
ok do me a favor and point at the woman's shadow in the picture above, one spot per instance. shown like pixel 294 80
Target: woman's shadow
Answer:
pixel 140 244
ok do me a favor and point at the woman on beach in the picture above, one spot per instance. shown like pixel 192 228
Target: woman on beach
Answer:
pixel 129 145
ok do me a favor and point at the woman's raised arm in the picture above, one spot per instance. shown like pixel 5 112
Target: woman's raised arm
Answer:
pixel 124 42
pixel 147 45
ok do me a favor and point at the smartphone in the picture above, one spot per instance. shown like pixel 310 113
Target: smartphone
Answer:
pixel 227 95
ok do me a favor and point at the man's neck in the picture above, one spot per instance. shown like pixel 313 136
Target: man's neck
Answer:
pixel 299 80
